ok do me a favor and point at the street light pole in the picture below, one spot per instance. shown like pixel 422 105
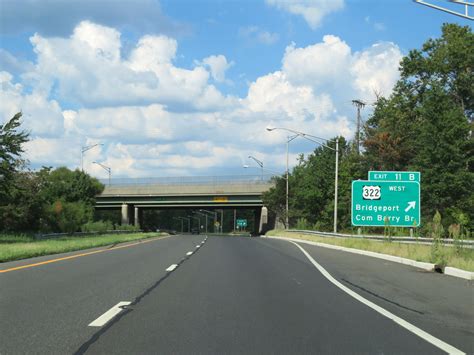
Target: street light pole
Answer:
pixel 199 221
pixel 335 185
pixel 106 168
pixel 85 149
pixel 288 140
pixel 214 215
pixel 318 140
pixel 259 162
pixel 205 215
pixel 286 177
pixel 182 224
pixel 189 222
pixel 287 217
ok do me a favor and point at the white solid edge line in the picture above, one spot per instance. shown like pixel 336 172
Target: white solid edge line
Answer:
pixel 172 267
pixel 189 253
pixel 395 259
pixel 410 327
pixel 107 316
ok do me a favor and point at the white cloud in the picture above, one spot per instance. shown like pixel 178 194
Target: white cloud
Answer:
pixel 87 69
pixel 375 69
pixel 313 11
pixel 63 151
pixel 275 95
pixel 331 66
pixel 378 26
pixel 156 118
pixel 42 116
pixel 218 65
pixel 323 64
pixel 254 33
pixel 13 64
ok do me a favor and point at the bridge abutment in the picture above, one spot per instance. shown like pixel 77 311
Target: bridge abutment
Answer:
pixel 263 219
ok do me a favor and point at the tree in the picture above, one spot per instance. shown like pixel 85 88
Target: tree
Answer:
pixel 24 211
pixel 70 185
pixel 68 217
pixel 311 188
pixel 275 199
pixel 33 203
pixel 426 124
pixel 11 147
pixel 312 185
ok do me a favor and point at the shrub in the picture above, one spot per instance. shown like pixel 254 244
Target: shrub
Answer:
pixel 99 226
pixel 437 255
pixel 68 217
pixel 387 230
pixel 302 224
pixel 454 231
pixel 128 227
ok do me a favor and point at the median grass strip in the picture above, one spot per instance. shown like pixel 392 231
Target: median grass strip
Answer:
pixel 463 259
pixel 22 247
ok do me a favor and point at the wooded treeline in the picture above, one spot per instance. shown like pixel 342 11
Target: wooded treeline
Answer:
pixel 425 125
pixel 47 200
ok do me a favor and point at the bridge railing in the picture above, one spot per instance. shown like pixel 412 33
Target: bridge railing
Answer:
pixel 191 180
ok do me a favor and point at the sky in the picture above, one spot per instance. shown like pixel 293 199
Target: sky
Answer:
pixel 185 88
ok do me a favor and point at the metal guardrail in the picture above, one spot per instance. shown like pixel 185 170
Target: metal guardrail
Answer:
pixel 191 180
pixel 421 240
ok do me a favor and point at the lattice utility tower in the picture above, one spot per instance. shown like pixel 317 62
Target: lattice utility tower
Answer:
pixel 465 3
pixel 360 105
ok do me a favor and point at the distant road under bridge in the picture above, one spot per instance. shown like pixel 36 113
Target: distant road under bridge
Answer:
pixel 132 196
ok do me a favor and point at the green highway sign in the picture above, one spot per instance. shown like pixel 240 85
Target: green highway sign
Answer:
pixel 241 223
pixel 380 203
pixel 395 175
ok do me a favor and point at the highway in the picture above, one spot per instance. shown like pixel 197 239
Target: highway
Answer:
pixel 220 294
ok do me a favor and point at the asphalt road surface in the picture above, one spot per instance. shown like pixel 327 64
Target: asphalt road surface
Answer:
pixel 221 294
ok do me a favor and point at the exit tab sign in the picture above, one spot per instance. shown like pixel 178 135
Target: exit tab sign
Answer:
pixel 394 175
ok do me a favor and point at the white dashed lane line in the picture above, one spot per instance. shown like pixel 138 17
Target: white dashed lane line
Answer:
pixel 112 312
pixel 107 316
pixel 172 267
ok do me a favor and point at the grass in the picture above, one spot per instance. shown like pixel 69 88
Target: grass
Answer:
pixel 16 247
pixel 447 256
pixel 15 238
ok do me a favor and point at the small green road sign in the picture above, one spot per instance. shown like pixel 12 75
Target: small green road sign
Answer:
pixel 381 203
pixel 395 175
pixel 241 223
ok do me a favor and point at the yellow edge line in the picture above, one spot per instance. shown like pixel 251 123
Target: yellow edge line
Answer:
pixel 79 255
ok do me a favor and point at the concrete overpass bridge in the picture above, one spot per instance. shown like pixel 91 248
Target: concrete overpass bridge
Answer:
pixel 133 196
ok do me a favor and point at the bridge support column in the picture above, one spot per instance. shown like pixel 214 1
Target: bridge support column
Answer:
pixel 137 217
pixel 263 219
pixel 125 216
